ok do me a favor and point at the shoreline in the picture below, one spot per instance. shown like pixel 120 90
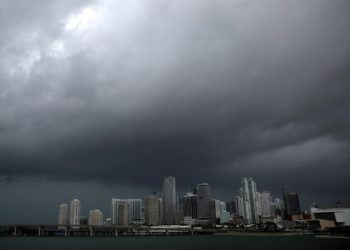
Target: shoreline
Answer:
pixel 263 234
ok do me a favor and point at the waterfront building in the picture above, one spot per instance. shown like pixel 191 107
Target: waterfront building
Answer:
pixel 74 212
pixel 203 202
pixel 338 215
pixel 63 218
pixel 95 218
pixel 151 210
pixel 169 201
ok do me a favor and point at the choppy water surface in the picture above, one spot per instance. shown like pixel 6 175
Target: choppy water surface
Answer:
pixel 176 242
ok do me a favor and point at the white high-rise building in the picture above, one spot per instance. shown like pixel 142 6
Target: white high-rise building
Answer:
pixel 74 212
pixel 169 201
pixel 95 217
pixel 134 211
pixel 250 200
pixel 63 214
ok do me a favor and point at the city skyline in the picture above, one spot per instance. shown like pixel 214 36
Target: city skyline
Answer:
pixel 250 205
pixel 102 99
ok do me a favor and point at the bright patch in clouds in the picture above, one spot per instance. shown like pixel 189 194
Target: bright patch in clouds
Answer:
pixel 81 21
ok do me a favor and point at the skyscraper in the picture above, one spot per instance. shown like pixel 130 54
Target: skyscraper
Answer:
pixel 250 200
pixel 74 212
pixel 292 205
pixel 169 201
pixel 95 217
pixel 151 210
pixel 63 214
pixel 203 202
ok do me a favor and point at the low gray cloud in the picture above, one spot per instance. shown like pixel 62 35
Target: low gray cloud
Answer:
pixel 124 93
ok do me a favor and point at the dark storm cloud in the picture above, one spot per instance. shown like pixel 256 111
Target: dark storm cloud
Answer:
pixel 129 92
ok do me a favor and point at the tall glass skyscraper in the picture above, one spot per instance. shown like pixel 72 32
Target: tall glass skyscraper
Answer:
pixel 169 201
pixel 203 202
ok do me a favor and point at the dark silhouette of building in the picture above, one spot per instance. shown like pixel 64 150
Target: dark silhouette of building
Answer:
pixel 292 204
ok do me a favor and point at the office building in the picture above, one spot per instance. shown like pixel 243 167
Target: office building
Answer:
pixel 203 202
pixel 151 210
pixel 169 201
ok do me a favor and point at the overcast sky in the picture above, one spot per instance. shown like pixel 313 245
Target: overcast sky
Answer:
pixel 102 99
